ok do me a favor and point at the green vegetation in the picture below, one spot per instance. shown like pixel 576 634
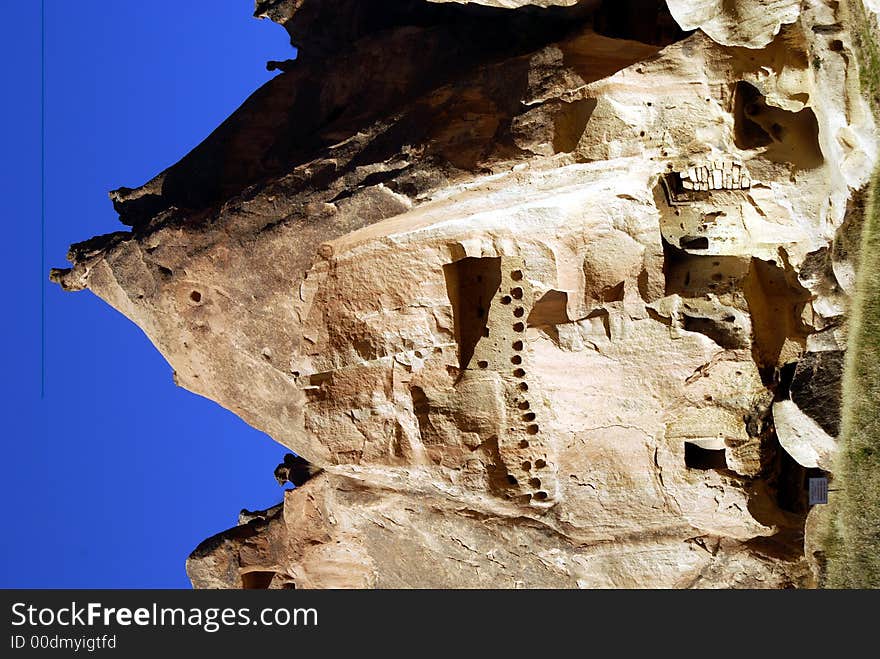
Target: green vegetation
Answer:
pixel 852 538
pixel 867 47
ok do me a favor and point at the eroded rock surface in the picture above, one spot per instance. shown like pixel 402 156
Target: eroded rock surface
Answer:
pixel 523 282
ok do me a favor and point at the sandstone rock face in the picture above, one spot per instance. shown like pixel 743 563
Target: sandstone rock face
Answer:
pixel 749 23
pixel 527 284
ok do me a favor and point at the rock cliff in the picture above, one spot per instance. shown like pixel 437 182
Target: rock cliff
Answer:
pixel 548 293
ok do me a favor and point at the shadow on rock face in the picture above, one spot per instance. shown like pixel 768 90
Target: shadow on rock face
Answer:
pixel 361 60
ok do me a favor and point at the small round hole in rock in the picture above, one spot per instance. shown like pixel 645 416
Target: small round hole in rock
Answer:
pixel 528 416
pixel 516 275
pixel 517 293
pixel 524 405
pixel 523 386
pixel 532 429
pixel 517 345
pixel 519 373
pixel 527 466
pixel 524 443
pixel 505 299
pixel 541 496
pixel 518 327
pixel 483 363
pixel 535 482
pixel 540 464
pixel 516 359
pixel 195 296
pixel 519 312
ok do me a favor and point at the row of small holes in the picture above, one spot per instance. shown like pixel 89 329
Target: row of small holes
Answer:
pixel 517 293
pixel 532 429
pixel 540 463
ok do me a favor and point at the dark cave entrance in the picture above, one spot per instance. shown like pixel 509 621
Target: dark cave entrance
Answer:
pixel 257 580
pixel 471 283
pixel 788 137
pixel 697 457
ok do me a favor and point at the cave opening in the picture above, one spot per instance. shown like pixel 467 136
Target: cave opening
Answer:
pixel 698 275
pixel 257 579
pixel 694 242
pixel 786 136
pixel 724 331
pixel 471 283
pixel 789 480
pixel 776 301
pixel 648 21
pixel 748 102
pixel 697 457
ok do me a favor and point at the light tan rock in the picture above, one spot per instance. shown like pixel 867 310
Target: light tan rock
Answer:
pixel 802 438
pixel 749 23
pixel 476 298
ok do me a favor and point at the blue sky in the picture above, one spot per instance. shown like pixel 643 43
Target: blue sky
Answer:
pixel 113 475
